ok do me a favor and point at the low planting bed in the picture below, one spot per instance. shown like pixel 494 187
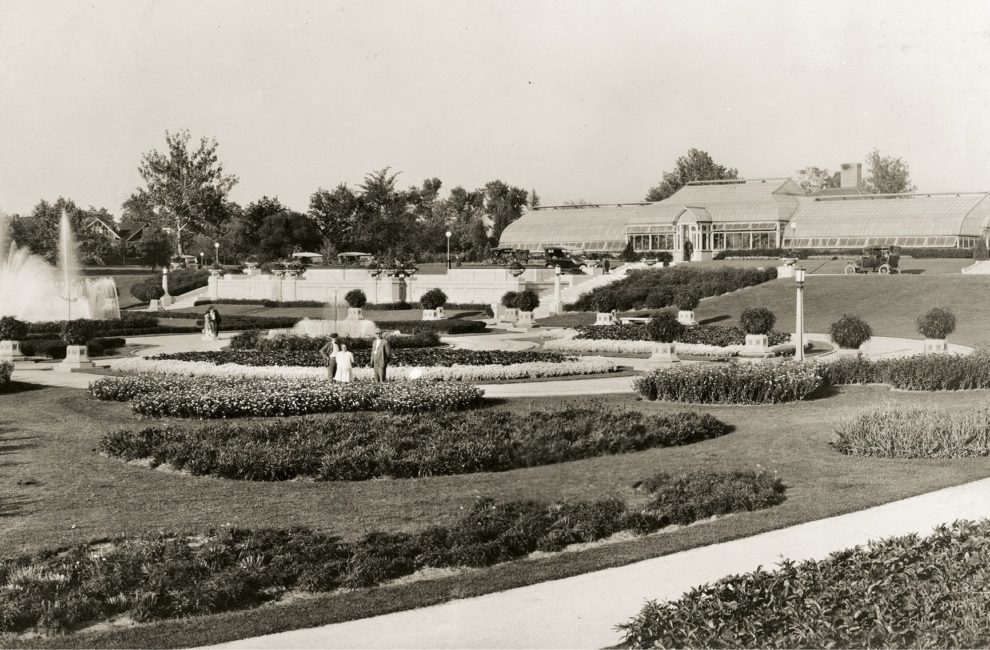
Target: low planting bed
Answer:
pixel 713 335
pixel 919 372
pixel 171 575
pixel 362 357
pixel 219 397
pixel 900 592
pixel 290 342
pixel 353 447
pixel 892 431
pixel 753 383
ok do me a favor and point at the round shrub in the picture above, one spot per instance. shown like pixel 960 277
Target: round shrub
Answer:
pixel 77 332
pixel 355 298
pixel 686 299
pixel 659 298
pixel 509 299
pixel 937 323
pixel 148 289
pixel 527 300
pixel 605 301
pixel 757 320
pixel 433 299
pixel 12 329
pixel 664 327
pixel 850 332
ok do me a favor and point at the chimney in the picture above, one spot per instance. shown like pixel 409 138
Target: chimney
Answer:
pixel 851 175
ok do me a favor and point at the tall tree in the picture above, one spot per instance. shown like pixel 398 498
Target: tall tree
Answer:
pixel 335 213
pixel 815 179
pixel 285 232
pixel 185 190
pixel 503 205
pixel 534 199
pixel 886 175
pixel 696 165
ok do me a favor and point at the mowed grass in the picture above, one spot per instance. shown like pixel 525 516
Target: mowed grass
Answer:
pixel 56 491
pixel 328 312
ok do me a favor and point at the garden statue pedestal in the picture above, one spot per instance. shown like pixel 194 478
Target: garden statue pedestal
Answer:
pixel 11 351
pixel 166 300
pixel 664 353
pixel 525 320
pixel 76 357
pixel 355 313
pixel 757 345
pixel 433 314
pixel 936 346
pixel 686 317
pixel 605 318
pixel 251 268
pixel 510 314
pixel 155 305
pixel 786 268
pixel 849 352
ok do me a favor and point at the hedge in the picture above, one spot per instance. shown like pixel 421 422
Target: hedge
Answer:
pixel 750 383
pixel 918 372
pixel 893 431
pixel 55 348
pixel 362 357
pixel 717 335
pixel 292 342
pixel 167 575
pixel 805 253
pixel 357 447
pixel 6 370
pixel 921 592
pixel 179 282
pixel 128 320
pixel 259 302
pixel 633 291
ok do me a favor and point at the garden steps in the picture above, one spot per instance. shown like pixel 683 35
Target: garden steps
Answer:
pixel 188 299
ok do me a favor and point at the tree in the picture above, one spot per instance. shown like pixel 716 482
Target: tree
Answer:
pixel 283 233
pixel 335 214
pixel 886 175
pixel 697 165
pixel 503 205
pixel 813 180
pixel 534 199
pixel 155 248
pixel 42 231
pixel 186 191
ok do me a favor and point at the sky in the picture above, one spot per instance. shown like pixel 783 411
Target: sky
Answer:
pixel 573 98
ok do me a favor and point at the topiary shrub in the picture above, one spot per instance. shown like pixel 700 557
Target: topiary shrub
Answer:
pixel 433 299
pixel 527 300
pixel 355 298
pixel 509 299
pixel 605 301
pixel 850 332
pixel 629 254
pixel 757 320
pixel 12 329
pixel 148 289
pixel 664 327
pixel 686 299
pixel 665 257
pixel 937 323
pixel 77 332
pixel 659 298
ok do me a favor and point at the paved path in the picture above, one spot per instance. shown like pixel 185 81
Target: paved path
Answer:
pixel 581 612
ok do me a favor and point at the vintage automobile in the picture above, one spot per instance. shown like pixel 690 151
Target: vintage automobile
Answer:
pixel 568 259
pixel 506 255
pixel 877 259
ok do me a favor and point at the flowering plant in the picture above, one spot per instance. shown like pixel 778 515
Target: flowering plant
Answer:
pixel 769 383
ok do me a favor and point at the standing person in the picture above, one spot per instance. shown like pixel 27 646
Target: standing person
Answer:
pixel 345 365
pixel 329 353
pixel 215 322
pixel 381 354
pixel 607 265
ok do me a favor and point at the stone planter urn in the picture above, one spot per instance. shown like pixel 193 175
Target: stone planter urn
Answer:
pixel 355 313
pixel 155 305
pixel 664 353
pixel 936 346
pixel 685 317
pixel 756 345
pixel 216 272
pixel 604 318
pixel 11 351
pixel 510 314
pixel 76 356
pixel 525 319
pixel 433 314
pixel 251 268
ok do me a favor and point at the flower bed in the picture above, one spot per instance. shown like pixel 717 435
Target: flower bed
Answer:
pixel 362 357
pixel 891 431
pixel 6 370
pixel 293 342
pixel 608 346
pixel 918 372
pixel 225 397
pixel 712 335
pixel 900 592
pixel 162 576
pixel 489 372
pixel 356 447
pixel 750 383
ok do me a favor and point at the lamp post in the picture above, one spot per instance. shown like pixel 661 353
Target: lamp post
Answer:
pixel 216 248
pixel 201 260
pixel 448 233
pixel 556 290
pixel 799 320
pixel 793 239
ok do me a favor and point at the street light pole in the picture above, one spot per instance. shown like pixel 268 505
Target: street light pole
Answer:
pixel 216 248
pixel 799 320
pixel 793 239
pixel 448 233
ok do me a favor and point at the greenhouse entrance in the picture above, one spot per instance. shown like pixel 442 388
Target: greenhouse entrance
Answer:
pixel 694 225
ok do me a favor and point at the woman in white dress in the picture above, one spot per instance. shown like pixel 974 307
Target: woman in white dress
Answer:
pixel 345 365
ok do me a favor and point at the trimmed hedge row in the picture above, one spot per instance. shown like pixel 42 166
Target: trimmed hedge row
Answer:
pixel 259 302
pixel 128 320
pixel 179 282
pixel 291 342
pixel 55 348
pixel 928 592
pixel 362 357
pixel 749 383
pixel 664 285
pixel 6 370
pixel 221 397
pixel 805 253
pixel 352 447
pixel 702 334
pixel 919 372
pixel 167 575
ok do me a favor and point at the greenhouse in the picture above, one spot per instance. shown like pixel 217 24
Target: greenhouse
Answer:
pixel 706 217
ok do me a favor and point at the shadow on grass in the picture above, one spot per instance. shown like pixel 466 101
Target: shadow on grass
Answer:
pixel 19 387
pixel 714 319
pixel 823 393
pixel 912 271
pixel 13 506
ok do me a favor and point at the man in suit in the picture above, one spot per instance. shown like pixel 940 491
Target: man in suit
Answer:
pixel 381 354
pixel 329 353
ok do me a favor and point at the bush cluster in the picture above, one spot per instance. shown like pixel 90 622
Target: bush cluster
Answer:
pixel 527 300
pixel 635 290
pixel 259 302
pixel 757 320
pixel 850 332
pixel 900 592
pixel 701 334
pixel 222 397
pixel 55 348
pixel 665 328
pixel 484 308
pixel 919 372
pixel 296 343
pixel 12 329
pixel 355 298
pixel 433 299
pixel 349 447
pixel 6 370
pixel 769 383
pixel 937 323
pixel 893 431
pixel 805 253
pixel 362 357
pixel 445 326
pixel 166 575
pixel 509 299
pixel 128 321
pixel 179 282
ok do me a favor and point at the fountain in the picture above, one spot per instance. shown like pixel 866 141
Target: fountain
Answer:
pixel 31 289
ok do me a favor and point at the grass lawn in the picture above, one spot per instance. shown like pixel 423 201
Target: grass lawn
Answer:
pixel 56 491
pixel 908 265
pixel 327 312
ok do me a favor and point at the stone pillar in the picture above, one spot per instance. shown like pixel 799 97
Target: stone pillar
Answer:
pixel 213 286
pixel 10 351
pixel 76 356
